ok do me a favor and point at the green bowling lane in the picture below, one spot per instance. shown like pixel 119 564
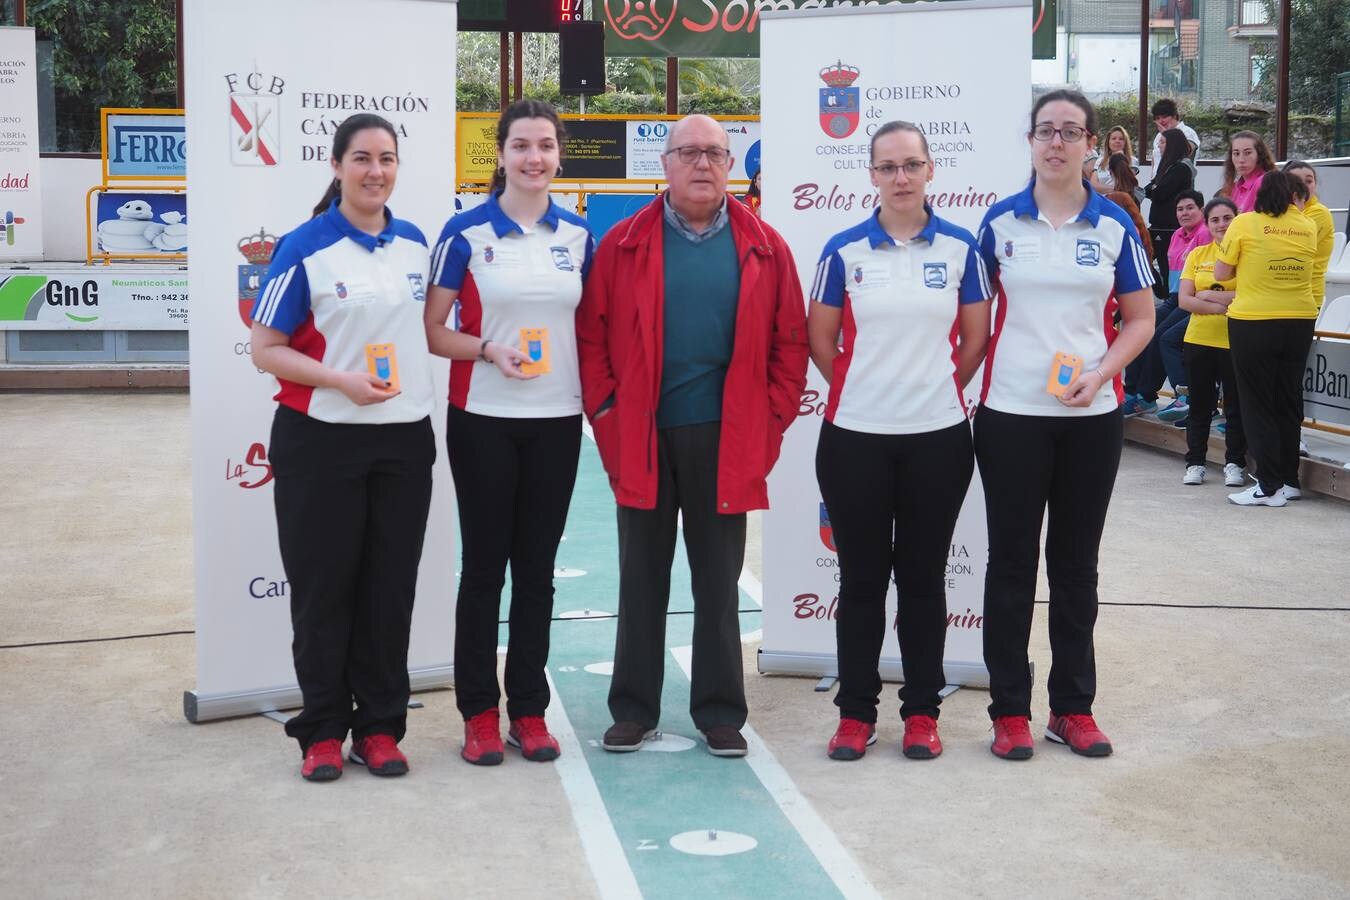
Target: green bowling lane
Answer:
pixel 736 840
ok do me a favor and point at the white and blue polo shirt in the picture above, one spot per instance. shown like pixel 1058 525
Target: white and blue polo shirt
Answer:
pixel 508 280
pixel 334 289
pixel 1057 293
pixel 901 318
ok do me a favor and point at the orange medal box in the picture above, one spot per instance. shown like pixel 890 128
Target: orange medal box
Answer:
pixel 383 364
pixel 1063 373
pixel 534 344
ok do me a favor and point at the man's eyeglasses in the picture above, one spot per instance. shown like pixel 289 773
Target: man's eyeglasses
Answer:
pixel 717 156
pixel 1070 134
pixel 913 169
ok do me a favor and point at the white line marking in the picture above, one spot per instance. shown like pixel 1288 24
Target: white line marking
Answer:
pixel 609 864
pixel 750 584
pixel 822 842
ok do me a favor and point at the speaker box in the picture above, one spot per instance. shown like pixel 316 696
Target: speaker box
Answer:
pixel 581 50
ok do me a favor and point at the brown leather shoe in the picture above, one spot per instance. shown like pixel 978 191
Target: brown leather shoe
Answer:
pixel 625 737
pixel 724 740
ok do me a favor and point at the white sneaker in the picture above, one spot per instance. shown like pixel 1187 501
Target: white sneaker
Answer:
pixel 1232 475
pixel 1194 475
pixel 1252 496
pixel 1302 447
pixel 1289 492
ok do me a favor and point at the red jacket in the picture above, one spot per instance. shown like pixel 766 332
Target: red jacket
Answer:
pixel 620 342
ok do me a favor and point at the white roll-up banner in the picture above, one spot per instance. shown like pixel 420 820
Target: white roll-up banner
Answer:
pixel 961 71
pixel 20 177
pixel 267 86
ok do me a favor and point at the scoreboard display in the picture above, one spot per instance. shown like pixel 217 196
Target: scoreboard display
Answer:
pixel 518 15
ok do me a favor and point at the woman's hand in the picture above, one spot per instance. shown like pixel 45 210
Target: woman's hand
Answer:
pixel 507 359
pixel 362 388
pixel 1084 389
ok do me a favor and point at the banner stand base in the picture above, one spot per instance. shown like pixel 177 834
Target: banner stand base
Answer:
pixel 823 684
pixel 198 708
pixel 823 665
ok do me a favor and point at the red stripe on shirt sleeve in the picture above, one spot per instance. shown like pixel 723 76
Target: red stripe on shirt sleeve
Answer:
pixel 309 341
pixel 1109 327
pixel 993 342
pixel 841 362
pixel 470 322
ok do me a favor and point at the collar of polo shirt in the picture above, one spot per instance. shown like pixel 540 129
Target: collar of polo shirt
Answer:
pixel 1024 204
pixel 369 241
pixel 502 224
pixel 876 235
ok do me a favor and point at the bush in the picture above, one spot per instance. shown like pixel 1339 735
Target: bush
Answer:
pixel 472 96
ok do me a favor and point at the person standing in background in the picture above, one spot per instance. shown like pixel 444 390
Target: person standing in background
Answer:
pixel 1173 173
pixel 1165 116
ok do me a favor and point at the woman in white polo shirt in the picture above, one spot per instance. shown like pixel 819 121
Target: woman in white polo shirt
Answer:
pixel 515 266
pixel 894 460
pixel 339 323
pixel 1048 432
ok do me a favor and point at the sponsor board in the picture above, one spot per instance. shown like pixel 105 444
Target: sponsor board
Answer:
pixel 94 298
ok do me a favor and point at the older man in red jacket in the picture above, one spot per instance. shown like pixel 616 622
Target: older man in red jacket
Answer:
pixel 692 337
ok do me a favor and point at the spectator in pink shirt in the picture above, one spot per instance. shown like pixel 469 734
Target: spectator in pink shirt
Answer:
pixel 1248 161
pixel 1191 232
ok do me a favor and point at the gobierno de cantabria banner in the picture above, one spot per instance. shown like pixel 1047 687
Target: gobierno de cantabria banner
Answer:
pixel 20 191
pixel 266 90
pixel 830 78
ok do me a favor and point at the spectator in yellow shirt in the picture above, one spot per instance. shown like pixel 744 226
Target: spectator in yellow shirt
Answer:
pixel 1271 251
pixel 1326 228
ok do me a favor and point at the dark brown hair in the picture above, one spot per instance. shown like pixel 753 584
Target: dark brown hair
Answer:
pixel 342 139
pixel 1264 161
pixel 1277 193
pixel 523 109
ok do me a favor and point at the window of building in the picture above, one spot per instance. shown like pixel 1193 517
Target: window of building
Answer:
pixel 1261 65
pixel 92 55
pixel 1253 12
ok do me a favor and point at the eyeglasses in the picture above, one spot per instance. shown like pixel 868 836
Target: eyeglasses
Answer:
pixel 1070 134
pixel 913 169
pixel 717 156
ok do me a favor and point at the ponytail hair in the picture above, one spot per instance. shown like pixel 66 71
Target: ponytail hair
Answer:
pixel 342 139
pixel 523 109
pixel 1277 193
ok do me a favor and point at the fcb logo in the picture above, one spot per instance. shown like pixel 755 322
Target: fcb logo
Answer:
pixel 857 275
pixel 1007 249
pixel 257 249
pixel 255 118
pixel 488 255
pixel 341 289
pixel 935 275
pixel 826 532
pixel 839 109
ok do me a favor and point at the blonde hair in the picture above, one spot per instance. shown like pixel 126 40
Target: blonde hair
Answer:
pixel 1104 160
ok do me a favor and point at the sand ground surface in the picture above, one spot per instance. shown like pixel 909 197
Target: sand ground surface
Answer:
pixel 1231 720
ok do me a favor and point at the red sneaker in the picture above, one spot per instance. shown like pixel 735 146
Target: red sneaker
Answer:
pixel 1012 738
pixel 921 738
pixel 530 734
pixel 380 754
pixel 323 761
pixel 852 738
pixel 1080 732
pixel 483 739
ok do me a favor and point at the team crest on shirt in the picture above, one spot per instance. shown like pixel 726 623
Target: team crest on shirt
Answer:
pixel 488 255
pixel 562 259
pixel 1089 252
pixel 935 275
pixel 341 290
pixel 1008 249
pixel 857 275
pixel 826 530
pixel 418 285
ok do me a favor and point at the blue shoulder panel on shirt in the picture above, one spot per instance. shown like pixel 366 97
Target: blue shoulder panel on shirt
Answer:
pixel 407 230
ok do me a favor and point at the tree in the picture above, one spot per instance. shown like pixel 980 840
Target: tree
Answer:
pixel 1319 49
pixel 105 54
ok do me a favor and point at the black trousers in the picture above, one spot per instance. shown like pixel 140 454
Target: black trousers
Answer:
pixel 351 504
pixel 513 483
pixel 1161 238
pixel 1030 464
pixel 1208 365
pixel 686 459
pixel 893 501
pixel 1269 359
